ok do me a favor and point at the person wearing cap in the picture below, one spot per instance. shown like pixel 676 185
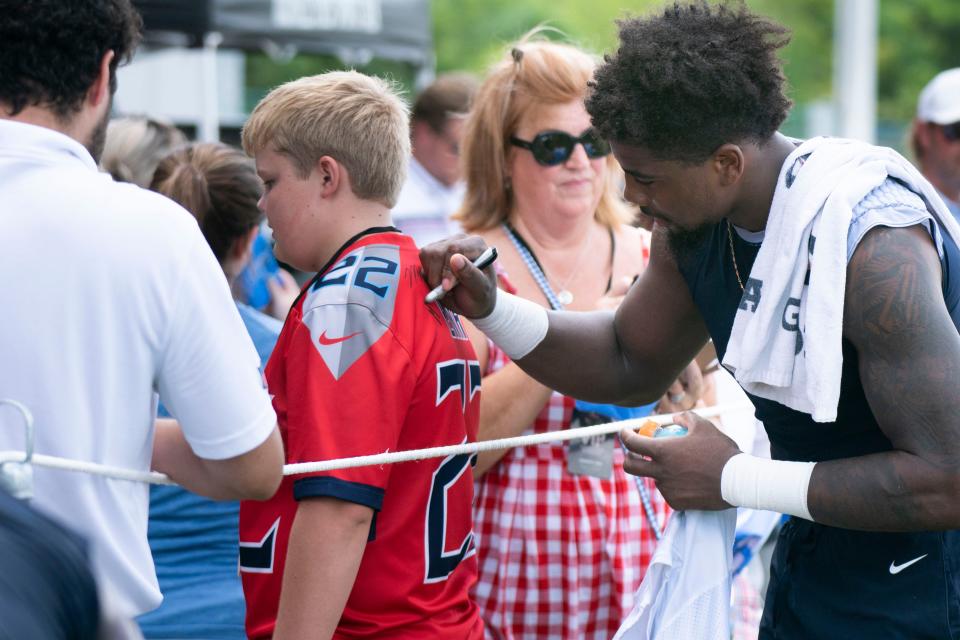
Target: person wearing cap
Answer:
pixel 935 138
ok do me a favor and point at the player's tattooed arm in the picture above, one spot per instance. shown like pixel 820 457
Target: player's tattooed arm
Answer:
pixel 909 362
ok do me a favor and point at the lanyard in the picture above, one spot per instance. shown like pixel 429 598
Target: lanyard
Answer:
pixel 533 266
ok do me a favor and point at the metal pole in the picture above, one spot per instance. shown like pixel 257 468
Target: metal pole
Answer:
pixel 855 69
pixel 209 129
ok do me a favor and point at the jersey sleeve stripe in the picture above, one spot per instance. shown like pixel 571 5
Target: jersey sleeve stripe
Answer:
pixel 326 486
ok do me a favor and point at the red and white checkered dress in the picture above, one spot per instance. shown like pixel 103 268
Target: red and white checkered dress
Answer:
pixel 560 555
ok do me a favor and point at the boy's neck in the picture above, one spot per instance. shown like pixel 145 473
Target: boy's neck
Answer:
pixel 354 217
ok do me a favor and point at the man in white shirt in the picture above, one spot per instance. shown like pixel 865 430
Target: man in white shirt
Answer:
pixel 111 296
pixel 936 136
pixel 433 190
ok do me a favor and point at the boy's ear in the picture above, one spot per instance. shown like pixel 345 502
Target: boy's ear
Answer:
pixel 331 174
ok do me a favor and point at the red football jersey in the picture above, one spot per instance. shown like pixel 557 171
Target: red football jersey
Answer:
pixel 364 366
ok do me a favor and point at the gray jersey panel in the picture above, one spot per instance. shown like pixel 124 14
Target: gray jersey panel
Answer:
pixel 352 305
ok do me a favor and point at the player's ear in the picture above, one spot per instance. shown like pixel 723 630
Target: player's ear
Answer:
pixel 728 162
pixel 331 174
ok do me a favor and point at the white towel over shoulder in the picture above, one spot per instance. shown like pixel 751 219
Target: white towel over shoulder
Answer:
pixel 786 339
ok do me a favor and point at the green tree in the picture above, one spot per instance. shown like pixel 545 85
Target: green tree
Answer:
pixel 264 73
pixel 471 34
pixel 917 39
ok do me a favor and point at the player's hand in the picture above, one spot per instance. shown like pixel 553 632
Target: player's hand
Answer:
pixel 686 469
pixel 471 292
pixel 685 391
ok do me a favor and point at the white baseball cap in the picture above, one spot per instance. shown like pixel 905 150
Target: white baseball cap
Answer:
pixel 939 101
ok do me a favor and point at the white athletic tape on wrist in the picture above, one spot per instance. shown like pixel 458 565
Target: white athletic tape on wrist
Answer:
pixel 771 485
pixel 515 324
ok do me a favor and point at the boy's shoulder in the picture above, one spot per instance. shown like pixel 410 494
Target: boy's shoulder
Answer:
pixel 367 274
pixel 372 288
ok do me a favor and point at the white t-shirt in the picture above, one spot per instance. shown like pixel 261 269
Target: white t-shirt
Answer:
pixel 111 295
pixel 952 206
pixel 425 205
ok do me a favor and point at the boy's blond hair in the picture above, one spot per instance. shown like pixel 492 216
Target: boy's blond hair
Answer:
pixel 358 120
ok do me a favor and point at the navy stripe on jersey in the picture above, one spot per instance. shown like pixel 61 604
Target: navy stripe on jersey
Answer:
pixel 320 487
pixel 325 486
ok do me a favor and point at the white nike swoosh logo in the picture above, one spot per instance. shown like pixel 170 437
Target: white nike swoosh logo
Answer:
pixel 895 568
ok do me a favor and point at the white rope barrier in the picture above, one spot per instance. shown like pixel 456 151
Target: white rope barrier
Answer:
pixel 93 468
pixel 154 477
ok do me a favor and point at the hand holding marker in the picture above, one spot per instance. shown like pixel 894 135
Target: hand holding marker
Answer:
pixel 649 428
pixel 483 261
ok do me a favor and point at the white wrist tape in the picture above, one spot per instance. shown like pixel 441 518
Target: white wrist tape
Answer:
pixel 771 485
pixel 515 324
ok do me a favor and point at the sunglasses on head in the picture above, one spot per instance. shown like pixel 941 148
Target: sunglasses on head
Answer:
pixel 551 148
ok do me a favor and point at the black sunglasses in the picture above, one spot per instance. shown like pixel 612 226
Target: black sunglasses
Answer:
pixel 551 148
pixel 951 131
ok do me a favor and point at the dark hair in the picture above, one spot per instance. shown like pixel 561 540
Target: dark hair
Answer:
pixel 691 79
pixel 51 50
pixel 450 94
pixel 218 184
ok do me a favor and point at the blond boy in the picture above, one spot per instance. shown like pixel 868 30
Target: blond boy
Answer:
pixel 362 365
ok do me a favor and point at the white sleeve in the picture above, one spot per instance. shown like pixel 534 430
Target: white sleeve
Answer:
pixel 889 205
pixel 209 372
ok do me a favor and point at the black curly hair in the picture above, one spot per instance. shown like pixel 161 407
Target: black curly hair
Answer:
pixel 50 50
pixel 686 81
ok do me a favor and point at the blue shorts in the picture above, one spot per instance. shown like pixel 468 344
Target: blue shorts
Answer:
pixel 835 583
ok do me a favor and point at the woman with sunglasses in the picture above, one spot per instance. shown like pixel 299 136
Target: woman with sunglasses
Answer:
pixel 563 534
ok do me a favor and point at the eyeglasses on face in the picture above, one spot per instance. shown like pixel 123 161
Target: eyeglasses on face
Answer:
pixel 550 148
pixel 453 146
pixel 951 131
pixel 452 143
